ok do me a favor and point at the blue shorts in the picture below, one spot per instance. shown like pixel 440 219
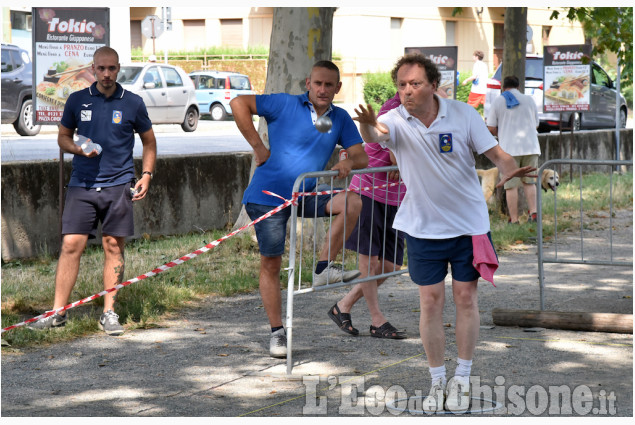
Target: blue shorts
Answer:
pixel 85 207
pixel 373 234
pixel 271 232
pixel 428 259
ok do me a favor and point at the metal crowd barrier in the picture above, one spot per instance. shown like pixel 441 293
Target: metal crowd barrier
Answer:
pixel 542 259
pixel 297 251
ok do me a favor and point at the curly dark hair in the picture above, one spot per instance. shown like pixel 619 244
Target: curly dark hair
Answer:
pixel 432 72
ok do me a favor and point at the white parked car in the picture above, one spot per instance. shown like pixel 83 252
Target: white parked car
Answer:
pixel 601 115
pixel 167 91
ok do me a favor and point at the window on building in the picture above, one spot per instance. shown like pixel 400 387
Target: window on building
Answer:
pixel 194 32
pixel 499 41
pixel 499 36
pixel 231 32
pixel 21 20
pixel 546 30
pixel 450 33
pixel 396 43
pixel 136 40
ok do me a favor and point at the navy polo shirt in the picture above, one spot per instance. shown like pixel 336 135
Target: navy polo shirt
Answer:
pixel 110 122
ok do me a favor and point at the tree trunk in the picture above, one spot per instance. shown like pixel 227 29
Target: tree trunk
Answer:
pixel 300 37
pixel 515 45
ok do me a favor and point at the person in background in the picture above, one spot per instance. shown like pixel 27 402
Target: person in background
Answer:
pixel 479 80
pixel 514 119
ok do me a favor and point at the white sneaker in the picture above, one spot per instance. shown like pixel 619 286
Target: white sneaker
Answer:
pixel 434 401
pixel 334 273
pixel 458 394
pixel 278 344
pixel 109 323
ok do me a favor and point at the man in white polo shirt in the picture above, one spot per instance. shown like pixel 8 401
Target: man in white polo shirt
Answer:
pixel 443 214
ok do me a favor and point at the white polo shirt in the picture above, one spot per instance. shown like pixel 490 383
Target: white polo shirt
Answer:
pixel 444 197
pixel 517 132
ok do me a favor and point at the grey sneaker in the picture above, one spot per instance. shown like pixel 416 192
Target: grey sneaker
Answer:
pixel 435 400
pixel 334 273
pixel 278 344
pixel 109 323
pixel 54 321
pixel 458 394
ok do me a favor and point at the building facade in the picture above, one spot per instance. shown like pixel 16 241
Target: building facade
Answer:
pixel 385 32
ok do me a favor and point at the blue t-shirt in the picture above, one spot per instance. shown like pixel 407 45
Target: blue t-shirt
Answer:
pixel 296 145
pixel 110 122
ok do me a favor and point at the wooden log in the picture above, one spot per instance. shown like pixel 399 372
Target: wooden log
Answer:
pixel 577 321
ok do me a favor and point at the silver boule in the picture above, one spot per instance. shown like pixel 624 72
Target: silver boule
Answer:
pixel 323 124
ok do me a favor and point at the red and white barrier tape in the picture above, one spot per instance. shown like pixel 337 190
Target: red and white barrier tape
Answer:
pixel 187 257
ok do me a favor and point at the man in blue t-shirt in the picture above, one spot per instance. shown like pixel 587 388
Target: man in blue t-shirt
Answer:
pixel 295 147
pixel 102 186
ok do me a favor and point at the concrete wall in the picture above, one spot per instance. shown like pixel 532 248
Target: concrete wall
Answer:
pixel 187 193
pixel 193 192
pixel 597 144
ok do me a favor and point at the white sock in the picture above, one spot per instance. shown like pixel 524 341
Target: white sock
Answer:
pixel 438 374
pixel 464 368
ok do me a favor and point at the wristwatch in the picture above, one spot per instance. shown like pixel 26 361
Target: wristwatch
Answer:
pixel 149 173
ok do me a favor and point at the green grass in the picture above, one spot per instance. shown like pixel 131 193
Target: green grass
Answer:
pixel 28 286
pixel 595 197
pixel 259 52
pixel 230 268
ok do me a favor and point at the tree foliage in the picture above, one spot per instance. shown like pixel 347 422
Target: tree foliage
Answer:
pixel 610 29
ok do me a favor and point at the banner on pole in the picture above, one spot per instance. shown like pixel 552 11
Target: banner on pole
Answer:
pixel 567 78
pixel 64 40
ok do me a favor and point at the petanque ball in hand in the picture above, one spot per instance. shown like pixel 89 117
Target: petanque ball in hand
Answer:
pixel 323 124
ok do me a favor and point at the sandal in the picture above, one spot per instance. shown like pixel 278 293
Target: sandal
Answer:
pixel 343 320
pixel 387 331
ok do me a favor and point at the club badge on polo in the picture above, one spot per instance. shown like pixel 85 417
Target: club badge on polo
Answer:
pixel 323 124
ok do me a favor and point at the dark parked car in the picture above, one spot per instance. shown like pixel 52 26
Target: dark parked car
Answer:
pixel 601 115
pixel 17 90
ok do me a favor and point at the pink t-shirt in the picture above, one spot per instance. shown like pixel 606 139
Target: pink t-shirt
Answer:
pixel 379 157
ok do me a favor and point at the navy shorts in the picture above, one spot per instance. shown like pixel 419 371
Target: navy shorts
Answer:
pixel 428 259
pixel 272 231
pixel 84 208
pixel 373 228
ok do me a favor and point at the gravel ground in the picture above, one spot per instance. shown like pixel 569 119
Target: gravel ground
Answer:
pixel 212 359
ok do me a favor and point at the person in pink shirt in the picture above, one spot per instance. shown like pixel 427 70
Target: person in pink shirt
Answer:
pixel 381 252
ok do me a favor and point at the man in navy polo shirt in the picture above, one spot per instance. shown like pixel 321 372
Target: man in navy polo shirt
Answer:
pixel 296 147
pixel 102 183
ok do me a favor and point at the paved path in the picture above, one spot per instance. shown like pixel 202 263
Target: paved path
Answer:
pixel 211 360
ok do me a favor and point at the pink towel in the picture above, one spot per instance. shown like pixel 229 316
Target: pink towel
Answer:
pixel 485 260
